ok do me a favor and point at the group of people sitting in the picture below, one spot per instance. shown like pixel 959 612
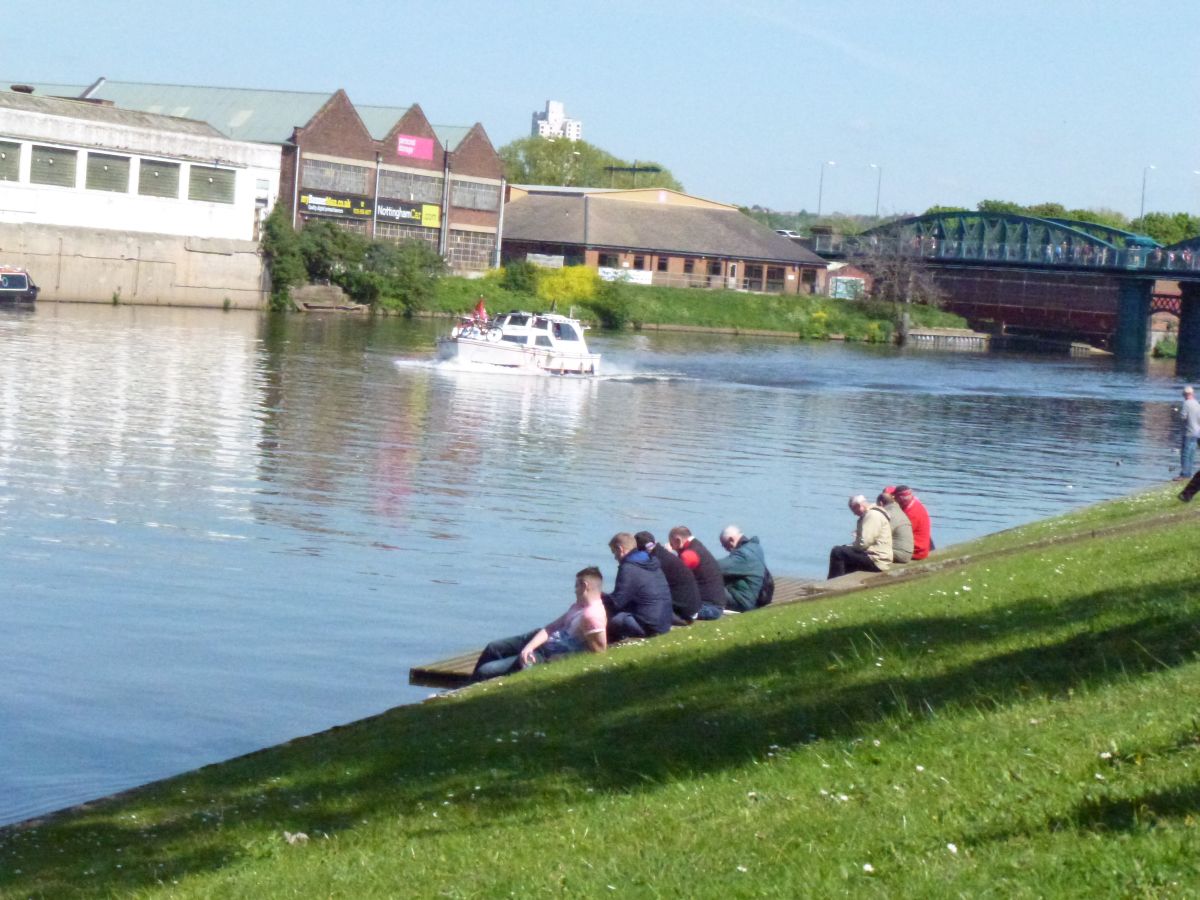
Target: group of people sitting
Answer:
pixel 893 529
pixel 657 588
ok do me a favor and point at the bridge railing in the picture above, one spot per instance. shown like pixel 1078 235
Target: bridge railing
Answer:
pixel 1068 256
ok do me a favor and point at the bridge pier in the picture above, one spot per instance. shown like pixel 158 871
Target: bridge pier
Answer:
pixel 1187 359
pixel 1132 340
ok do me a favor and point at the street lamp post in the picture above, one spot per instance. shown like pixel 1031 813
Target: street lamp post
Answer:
pixel 878 185
pixel 821 185
pixel 1142 213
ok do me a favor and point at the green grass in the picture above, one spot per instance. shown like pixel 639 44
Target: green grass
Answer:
pixel 812 317
pixel 1025 725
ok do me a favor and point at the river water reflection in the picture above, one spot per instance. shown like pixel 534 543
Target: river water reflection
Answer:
pixel 222 531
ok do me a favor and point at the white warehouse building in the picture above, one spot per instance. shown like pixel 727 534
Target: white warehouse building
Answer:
pixel 81 164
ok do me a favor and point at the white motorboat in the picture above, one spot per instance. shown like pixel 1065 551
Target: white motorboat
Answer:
pixel 531 342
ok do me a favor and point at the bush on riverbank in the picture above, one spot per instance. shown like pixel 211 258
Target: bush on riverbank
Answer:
pixel 380 274
pixel 612 305
pixel 1021 724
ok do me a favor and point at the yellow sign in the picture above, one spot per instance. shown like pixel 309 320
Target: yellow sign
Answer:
pixel 431 216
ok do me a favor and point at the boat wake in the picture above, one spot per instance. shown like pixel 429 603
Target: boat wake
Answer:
pixel 453 367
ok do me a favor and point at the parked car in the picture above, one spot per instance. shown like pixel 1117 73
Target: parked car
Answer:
pixel 787 233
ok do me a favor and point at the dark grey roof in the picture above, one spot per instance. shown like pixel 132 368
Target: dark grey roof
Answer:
pixel 653 227
pixel 96 112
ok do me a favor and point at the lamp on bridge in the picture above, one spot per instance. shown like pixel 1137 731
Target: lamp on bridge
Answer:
pixel 878 184
pixel 821 185
pixel 1142 214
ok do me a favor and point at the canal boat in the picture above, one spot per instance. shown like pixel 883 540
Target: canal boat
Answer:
pixel 521 341
pixel 16 286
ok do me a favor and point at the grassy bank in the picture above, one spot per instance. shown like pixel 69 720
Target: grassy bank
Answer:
pixel 810 317
pixel 1020 723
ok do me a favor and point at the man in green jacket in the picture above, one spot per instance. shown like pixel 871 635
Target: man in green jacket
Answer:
pixel 743 569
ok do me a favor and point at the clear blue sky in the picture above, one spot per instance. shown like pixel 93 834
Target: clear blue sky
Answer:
pixel 1024 100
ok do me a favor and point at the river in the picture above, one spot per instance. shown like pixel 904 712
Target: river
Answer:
pixel 220 531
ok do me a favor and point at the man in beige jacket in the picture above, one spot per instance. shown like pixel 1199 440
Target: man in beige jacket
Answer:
pixel 872 547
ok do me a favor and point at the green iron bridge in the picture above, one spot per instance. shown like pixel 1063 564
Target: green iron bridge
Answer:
pixel 1057 277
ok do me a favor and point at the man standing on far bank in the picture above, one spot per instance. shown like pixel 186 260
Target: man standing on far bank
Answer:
pixel 1189 418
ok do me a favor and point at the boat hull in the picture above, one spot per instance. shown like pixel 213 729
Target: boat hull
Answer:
pixel 482 352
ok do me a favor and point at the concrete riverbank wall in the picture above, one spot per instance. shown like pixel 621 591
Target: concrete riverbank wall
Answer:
pixel 99 266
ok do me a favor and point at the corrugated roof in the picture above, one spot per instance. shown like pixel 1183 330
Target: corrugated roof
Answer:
pixel 94 112
pixel 666 228
pixel 247 114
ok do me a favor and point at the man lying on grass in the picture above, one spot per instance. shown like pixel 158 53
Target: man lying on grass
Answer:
pixel 580 628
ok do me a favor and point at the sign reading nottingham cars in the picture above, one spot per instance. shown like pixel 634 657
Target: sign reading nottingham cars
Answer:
pixel 425 214
pixel 343 206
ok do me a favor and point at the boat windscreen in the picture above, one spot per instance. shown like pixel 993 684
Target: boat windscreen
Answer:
pixel 12 281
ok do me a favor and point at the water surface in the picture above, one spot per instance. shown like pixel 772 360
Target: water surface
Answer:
pixel 220 531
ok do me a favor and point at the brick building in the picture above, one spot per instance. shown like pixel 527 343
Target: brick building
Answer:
pixel 381 170
pixel 656 236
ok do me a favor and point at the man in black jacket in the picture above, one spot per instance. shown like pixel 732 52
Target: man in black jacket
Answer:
pixel 685 595
pixel 707 571
pixel 640 602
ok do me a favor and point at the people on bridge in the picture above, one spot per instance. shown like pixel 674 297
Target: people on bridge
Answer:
pixel 580 628
pixel 1189 421
pixel 743 569
pixel 640 602
pixel 872 547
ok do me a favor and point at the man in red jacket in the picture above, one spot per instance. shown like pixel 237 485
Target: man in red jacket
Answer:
pixel 918 515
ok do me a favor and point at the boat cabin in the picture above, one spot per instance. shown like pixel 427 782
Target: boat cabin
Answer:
pixel 15 284
pixel 547 330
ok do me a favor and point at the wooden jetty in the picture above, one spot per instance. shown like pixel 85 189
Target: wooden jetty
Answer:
pixel 456 671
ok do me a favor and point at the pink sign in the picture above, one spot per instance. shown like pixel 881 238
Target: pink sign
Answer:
pixel 415 147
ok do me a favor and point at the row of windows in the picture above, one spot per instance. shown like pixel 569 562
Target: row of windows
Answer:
pixel 59 167
pixel 753 272
pixel 468 250
pixel 317 174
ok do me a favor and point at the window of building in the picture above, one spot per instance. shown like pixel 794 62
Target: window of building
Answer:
pixel 53 165
pixel 107 173
pixel 662 264
pixel 393 231
pixel 775 278
pixel 473 195
pixel 714 267
pixel 609 261
pixel 754 273
pixel 211 183
pixel 689 266
pixel 10 161
pixel 158 179
pixel 639 262
pixel 470 250
pixel 410 186
pixel 330 176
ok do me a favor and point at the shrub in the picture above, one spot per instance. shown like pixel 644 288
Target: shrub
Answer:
pixel 612 304
pixel 572 284
pixel 281 250
pixel 402 276
pixel 520 276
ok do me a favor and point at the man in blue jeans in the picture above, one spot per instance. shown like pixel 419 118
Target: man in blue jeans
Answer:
pixel 1189 423
pixel 580 628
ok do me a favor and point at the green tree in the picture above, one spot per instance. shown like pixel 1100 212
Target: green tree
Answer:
pixel 538 160
pixel 329 251
pixel 402 276
pixel 1167 228
pixel 280 248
